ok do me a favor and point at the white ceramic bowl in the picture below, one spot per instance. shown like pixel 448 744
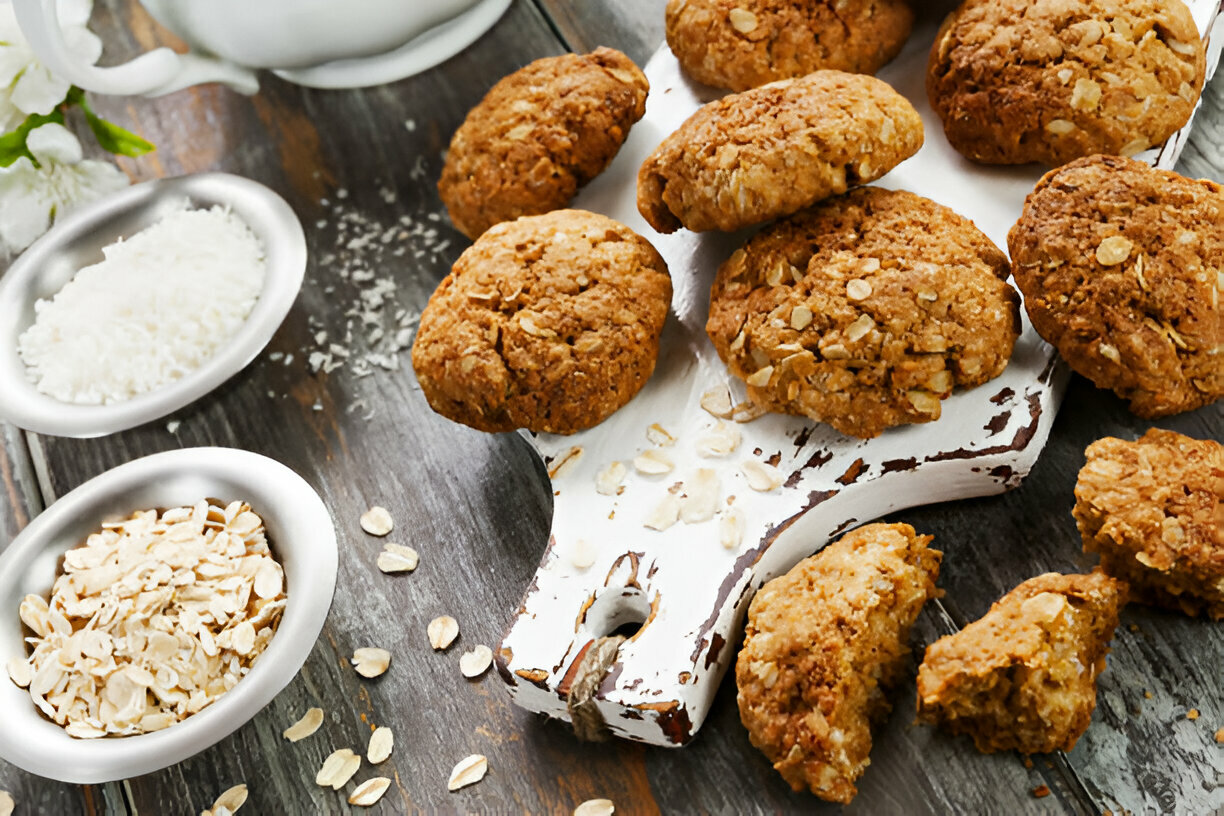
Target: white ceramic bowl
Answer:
pixel 77 241
pixel 302 537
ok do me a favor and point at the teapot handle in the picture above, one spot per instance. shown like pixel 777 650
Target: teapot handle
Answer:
pixel 158 72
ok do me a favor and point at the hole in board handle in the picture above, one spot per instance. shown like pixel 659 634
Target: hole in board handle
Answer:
pixel 616 611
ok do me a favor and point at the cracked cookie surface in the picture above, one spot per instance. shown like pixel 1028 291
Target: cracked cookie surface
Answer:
pixel 538 135
pixel 1019 81
pixel 549 323
pixel 741 44
pixel 1122 268
pixel 864 311
pixel 1023 676
pixel 822 646
pixel 765 153
pixel 1154 510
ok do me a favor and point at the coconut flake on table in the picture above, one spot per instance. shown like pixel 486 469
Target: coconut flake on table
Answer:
pixel 159 306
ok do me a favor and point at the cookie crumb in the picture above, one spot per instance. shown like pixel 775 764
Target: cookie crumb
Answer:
pixel 1192 714
pixel 1041 791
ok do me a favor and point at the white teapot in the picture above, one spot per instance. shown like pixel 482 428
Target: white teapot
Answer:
pixel 322 43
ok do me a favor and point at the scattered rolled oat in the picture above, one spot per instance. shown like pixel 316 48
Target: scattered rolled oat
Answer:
pixel 397 558
pixel 7 804
pixel 595 807
pixel 382 741
pixel 722 440
pixel 761 476
pixel 377 521
pixel 304 727
pixel 564 462
pixel 731 524
pixel 665 514
pixel 153 618
pixel 468 771
pixel 371 661
pixel 699 501
pixel 442 632
pixel 717 401
pixel 338 769
pixel 370 791
pixel 609 480
pixel 476 662
pixel 658 435
pixel 582 553
pixel 231 800
pixel 653 463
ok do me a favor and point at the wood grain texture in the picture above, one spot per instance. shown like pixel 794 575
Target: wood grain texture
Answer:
pixel 477 508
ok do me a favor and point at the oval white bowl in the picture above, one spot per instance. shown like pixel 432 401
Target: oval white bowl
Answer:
pixel 77 240
pixel 301 534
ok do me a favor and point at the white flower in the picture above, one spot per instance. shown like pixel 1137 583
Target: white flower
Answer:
pixel 25 85
pixel 31 198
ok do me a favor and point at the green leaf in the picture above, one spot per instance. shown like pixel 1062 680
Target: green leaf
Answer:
pixel 13 143
pixel 117 140
pixel 110 136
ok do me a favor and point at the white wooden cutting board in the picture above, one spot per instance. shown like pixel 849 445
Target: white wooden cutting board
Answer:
pixel 603 568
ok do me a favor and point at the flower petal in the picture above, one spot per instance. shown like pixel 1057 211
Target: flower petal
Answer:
pixel 54 144
pixel 84 43
pixel 38 90
pixel 25 211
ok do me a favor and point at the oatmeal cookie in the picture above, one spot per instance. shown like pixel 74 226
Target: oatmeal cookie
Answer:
pixel 864 311
pixel 822 645
pixel 761 154
pixel 1154 510
pixel 538 135
pixel 1122 268
pixel 549 323
pixel 1019 81
pixel 1023 676
pixel 740 44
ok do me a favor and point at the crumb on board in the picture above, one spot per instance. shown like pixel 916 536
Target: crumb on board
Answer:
pixel 1219 736
pixel 1041 791
pixel 1192 714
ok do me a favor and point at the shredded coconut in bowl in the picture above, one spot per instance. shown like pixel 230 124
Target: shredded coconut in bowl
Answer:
pixel 158 307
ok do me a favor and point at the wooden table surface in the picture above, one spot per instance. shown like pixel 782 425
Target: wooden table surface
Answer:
pixel 358 165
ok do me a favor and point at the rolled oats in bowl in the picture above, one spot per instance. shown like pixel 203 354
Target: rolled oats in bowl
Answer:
pixel 152 619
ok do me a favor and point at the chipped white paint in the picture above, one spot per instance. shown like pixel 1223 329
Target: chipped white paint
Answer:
pixel 689 587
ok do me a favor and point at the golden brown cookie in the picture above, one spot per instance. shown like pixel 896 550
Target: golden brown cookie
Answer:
pixel 864 311
pixel 740 44
pixel 822 646
pixel 1154 510
pixel 1019 81
pixel 1122 268
pixel 1023 677
pixel 538 135
pixel 549 323
pixel 765 153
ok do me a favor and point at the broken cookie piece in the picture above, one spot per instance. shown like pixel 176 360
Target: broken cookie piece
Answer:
pixel 822 645
pixel 1023 677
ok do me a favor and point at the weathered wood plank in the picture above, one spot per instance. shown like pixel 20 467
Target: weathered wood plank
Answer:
pixel 633 26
